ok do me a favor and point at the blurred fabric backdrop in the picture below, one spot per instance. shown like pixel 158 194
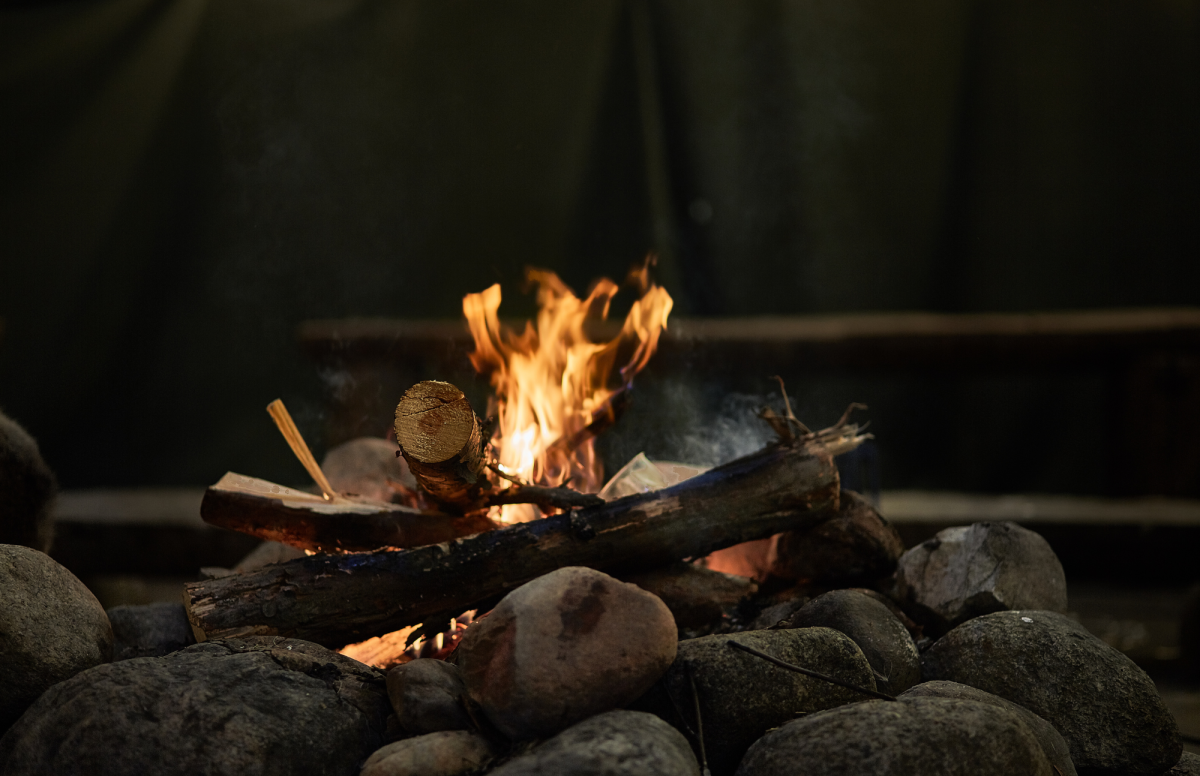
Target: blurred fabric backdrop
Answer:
pixel 182 182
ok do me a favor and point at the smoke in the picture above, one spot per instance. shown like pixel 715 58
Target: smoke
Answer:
pixel 729 431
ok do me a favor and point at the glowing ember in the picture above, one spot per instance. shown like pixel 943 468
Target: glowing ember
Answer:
pixel 552 380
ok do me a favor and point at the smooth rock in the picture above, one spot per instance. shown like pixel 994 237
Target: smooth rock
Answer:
pixel 857 545
pixel 915 737
pixel 150 630
pixel 697 597
pixel 51 628
pixel 27 489
pixel 254 707
pixel 428 696
pixel 1055 748
pixel 882 638
pixel 445 753
pixel 972 570
pixel 364 467
pixel 568 645
pixel 742 696
pixel 1104 706
pixel 1188 765
pixel 616 743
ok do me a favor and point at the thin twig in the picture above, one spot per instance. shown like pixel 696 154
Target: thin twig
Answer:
pixel 787 407
pixel 809 672
pixel 287 427
pixel 699 722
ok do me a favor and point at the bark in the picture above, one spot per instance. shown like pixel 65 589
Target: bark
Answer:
pixel 439 436
pixel 334 600
pixel 324 527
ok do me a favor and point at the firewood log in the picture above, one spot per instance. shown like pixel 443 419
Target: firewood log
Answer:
pixel 338 599
pixel 439 436
pixel 308 522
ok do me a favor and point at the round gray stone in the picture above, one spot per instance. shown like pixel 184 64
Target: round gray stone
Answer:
pixel 428 696
pixel 915 737
pixel 882 638
pixel 568 645
pixel 1106 708
pixel 254 707
pixel 616 743
pixel 51 629
pixel 1188 765
pixel 27 489
pixel 445 753
pixel 149 630
pixel 742 696
pixel 967 571
pixel 1053 745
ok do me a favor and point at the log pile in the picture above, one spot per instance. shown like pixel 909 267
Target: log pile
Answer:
pixel 336 599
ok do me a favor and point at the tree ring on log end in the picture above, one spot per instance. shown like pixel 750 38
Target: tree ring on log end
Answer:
pixel 434 422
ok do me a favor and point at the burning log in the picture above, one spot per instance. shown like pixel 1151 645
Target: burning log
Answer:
pixel 334 600
pixel 275 513
pixel 439 436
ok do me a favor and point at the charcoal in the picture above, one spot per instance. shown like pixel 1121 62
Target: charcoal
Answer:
pixel 857 546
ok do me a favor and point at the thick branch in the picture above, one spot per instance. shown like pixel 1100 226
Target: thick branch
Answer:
pixel 334 600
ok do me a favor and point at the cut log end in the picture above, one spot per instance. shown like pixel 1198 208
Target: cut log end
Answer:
pixel 435 423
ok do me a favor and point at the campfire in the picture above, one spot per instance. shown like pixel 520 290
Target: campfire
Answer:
pixel 533 618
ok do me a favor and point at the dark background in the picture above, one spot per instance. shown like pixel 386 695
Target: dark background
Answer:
pixel 182 182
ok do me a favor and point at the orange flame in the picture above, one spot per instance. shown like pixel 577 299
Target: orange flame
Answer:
pixel 552 380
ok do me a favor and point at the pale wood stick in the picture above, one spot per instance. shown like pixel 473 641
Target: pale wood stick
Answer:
pixel 287 427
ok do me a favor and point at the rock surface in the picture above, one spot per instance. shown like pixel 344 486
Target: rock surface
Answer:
pixel 1188 765
pixel 364 467
pixel 152 630
pixel 742 696
pixel 916 737
pixel 968 571
pixel 857 545
pixel 1053 745
pixel 882 638
pixel 697 597
pixel 51 628
pixel 566 646
pixel 27 488
pixel 617 743
pixel 428 696
pixel 253 707
pixel 1106 708
pixel 445 753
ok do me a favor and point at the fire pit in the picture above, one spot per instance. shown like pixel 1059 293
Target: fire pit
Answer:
pixel 535 617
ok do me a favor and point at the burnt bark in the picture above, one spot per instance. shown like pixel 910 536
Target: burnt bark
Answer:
pixel 334 600
pixel 333 527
